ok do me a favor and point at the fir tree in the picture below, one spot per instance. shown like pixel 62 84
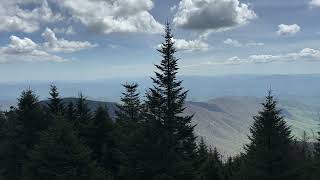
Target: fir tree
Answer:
pixel 21 133
pixel 83 117
pixel 71 113
pixel 268 154
pixel 102 141
pixel 165 104
pixel 316 171
pixel 202 154
pixel 12 150
pixel 61 155
pixel 211 167
pixel 55 102
pixel 129 110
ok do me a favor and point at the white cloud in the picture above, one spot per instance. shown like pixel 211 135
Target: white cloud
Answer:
pixel 113 15
pixel 306 54
pixel 236 43
pixel 16 18
pixel 315 3
pixel 190 45
pixel 25 50
pixel 61 45
pixel 68 31
pixel 232 42
pixel 255 44
pixel 173 8
pixel 212 15
pixel 288 29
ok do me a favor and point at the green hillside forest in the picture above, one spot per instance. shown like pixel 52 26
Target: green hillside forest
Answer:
pixel 149 139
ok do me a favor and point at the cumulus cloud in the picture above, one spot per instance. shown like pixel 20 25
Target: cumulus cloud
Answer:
pixel 232 42
pixel 190 45
pixel 315 3
pixel 113 16
pixel 212 15
pixel 16 18
pixel 288 29
pixel 25 50
pixel 61 45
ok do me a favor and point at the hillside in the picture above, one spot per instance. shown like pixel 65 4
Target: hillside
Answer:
pixel 224 122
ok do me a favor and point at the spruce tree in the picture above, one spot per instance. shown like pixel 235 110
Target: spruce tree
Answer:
pixel 212 167
pixel 71 113
pixel 130 109
pixel 316 171
pixel 31 116
pixel 101 140
pixel 165 104
pixel 55 102
pixel 23 126
pixel 268 153
pixel 61 155
pixel 83 117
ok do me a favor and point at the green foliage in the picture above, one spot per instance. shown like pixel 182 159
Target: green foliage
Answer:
pixel 55 103
pixel 61 155
pixel 173 142
pixel 268 154
pixel 212 167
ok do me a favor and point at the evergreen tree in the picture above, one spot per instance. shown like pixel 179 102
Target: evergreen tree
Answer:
pixel 83 117
pixel 211 167
pixel 102 141
pixel 61 155
pixel 71 113
pixel 55 102
pixel 31 116
pixel 12 150
pixel 130 109
pixel 316 171
pixel 268 154
pixel 202 154
pixel 173 133
pixel 21 133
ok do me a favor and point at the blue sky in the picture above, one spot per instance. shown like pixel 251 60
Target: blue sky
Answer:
pixel 98 39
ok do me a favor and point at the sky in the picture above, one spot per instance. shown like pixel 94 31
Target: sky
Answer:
pixel 99 39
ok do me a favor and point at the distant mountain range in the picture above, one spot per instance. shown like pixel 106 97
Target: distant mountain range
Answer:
pixel 223 106
pixel 304 88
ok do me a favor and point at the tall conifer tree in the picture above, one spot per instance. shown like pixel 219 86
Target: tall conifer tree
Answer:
pixel 268 153
pixel 130 109
pixel 173 135
pixel 55 102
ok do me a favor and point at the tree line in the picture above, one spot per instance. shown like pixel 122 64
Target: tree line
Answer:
pixel 150 139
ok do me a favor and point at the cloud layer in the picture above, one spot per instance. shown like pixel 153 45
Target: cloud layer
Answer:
pixel 26 50
pixel 15 18
pixel 212 15
pixel 96 15
pixel 113 15
pixel 61 45
pixel 315 3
